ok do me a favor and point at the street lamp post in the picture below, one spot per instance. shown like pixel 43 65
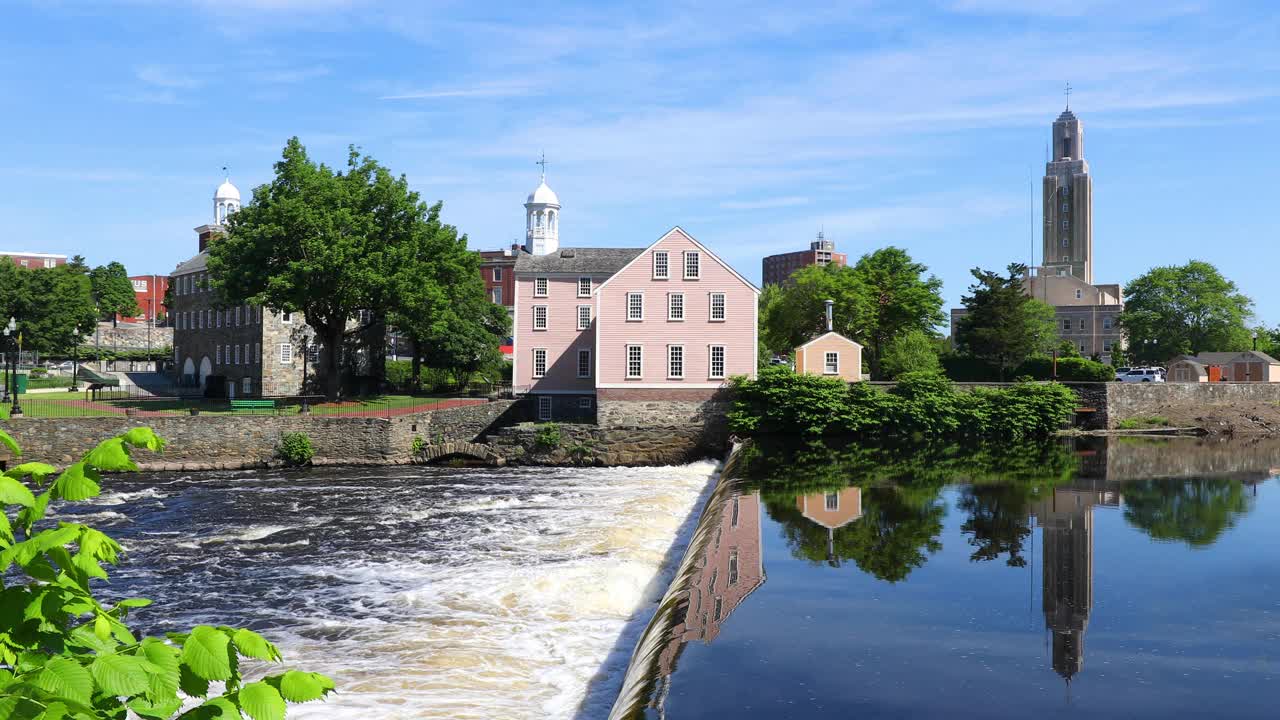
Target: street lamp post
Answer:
pixel 1255 339
pixel 10 330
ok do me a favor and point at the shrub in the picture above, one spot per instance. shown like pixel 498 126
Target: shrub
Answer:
pixel 781 398
pixel 418 445
pixel 910 352
pixel 966 368
pixel 66 654
pixel 1145 421
pixel 547 436
pixel 1069 368
pixel 295 448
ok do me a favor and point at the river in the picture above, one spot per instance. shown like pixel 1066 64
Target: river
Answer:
pixel 424 592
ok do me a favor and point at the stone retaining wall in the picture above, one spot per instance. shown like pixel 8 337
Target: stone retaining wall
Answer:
pixel 583 444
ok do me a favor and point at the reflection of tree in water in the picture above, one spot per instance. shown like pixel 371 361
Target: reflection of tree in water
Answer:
pixel 895 535
pixel 998 521
pixel 1196 512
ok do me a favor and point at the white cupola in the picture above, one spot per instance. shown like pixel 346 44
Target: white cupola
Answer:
pixel 226 200
pixel 542 218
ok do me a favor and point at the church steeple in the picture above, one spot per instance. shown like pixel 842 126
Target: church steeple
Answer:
pixel 542 217
pixel 1068 202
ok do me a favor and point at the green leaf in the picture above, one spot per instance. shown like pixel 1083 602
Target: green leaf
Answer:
pixel 251 644
pixel 155 710
pixel 102 627
pixel 300 687
pixel 34 514
pixel 13 492
pixel 66 678
pixel 163 684
pixel 110 456
pixel 262 701
pixel 37 470
pixel 10 443
pixel 144 437
pixel 77 482
pixel 134 603
pixel 190 683
pixel 207 653
pixel 218 708
pixel 119 675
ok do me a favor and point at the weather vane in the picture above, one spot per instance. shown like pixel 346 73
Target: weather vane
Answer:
pixel 1068 94
pixel 543 162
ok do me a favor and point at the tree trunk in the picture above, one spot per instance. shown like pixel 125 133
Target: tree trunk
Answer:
pixel 333 361
pixel 415 373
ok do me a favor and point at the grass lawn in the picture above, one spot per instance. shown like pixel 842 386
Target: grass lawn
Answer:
pixel 36 383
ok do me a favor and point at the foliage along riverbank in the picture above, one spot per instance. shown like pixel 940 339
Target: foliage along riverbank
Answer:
pixel 921 405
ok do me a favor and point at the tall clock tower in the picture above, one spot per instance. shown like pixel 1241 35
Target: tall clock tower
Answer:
pixel 1068 203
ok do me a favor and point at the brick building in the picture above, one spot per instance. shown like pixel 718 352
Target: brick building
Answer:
pixel 149 292
pixel 34 260
pixel 777 269
pixel 497 270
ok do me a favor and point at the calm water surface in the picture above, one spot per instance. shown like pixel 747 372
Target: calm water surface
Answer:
pixel 1122 579
pixel 424 592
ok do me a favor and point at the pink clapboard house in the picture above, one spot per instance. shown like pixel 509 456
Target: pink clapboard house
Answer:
pixel 670 322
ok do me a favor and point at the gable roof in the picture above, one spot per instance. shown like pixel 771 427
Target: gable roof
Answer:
pixel 1217 358
pixel 594 261
pixel 199 262
pixel 697 244
pixel 829 334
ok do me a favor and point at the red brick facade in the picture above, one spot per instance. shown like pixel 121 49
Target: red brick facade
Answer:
pixel 35 260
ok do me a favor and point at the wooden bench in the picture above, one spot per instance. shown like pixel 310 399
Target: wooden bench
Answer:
pixel 238 405
pixel 1086 410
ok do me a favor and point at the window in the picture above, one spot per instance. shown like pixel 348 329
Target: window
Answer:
pixel 497 296
pixel 1082 347
pixel 286 354
pixel 1064 224
pixel 831 363
pixel 716 363
pixel 26 263
pixel 248 359
pixel 675 306
pixel 1066 258
pixel 1106 323
pixel 539 362
pixel 733 516
pixel 584 363
pixel 219 314
pixel 1065 208
pixel 257 352
pixel 1066 189
pixel 832 501
pixel 1079 293
pixel 661 265
pixel 584 317
pixel 733 567
pixel 544 407
pixel 584 287
pixel 1080 324
pixel 217 354
pixel 717 307
pixel 584 403
pixel 237 355
pixel 540 287
pixel 635 361
pixel 286 318
pixel 635 306
pixel 1066 325
pixel 1106 346
pixel 497 274
pixel 675 361
pixel 539 317
pixel 1066 242
pixel 246 386
pixel 313 352
pixel 692 265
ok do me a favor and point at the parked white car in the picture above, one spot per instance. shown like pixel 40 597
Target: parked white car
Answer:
pixel 1143 375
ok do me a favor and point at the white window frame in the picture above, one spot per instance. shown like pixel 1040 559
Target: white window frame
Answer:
pixel 711 361
pixel 674 300
pixel 286 353
pixel 237 316
pixel 497 274
pixel 257 353
pixel 544 407
pixel 711 307
pixel 666 265
pixel 534 366
pixel 545 317
pixel 237 354
pixel 639 362
pixel 1066 325
pixel 286 318
pixel 217 355
pixel 586 279
pixel 1079 294
pixel 584 403
pixel 219 315
pixel 696 256
pixel 246 386
pixel 497 296
pixel 581 352
pixel 831 362
pixel 1106 323
pixel 672 351
pixel 541 287
pixel 640 317
pixel 584 316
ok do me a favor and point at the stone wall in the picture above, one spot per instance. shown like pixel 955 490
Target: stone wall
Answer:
pixel 1217 407
pixel 595 445
pixel 128 336
pixel 662 408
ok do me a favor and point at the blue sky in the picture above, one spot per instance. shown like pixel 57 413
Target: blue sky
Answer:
pixel 918 124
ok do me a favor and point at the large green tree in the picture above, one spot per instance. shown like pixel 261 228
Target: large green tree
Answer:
pixel 1003 325
pixel 113 291
pixel 54 307
pixel 1184 309
pixel 884 295
pixel 320 242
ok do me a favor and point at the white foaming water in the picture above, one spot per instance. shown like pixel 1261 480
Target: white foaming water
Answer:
pixel 524 631
pixel 425 593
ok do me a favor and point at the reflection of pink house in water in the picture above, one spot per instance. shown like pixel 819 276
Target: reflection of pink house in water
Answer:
pixel 831 510
pixel 730 569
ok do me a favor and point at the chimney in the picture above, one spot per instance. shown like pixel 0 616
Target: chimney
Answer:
pixel 829 304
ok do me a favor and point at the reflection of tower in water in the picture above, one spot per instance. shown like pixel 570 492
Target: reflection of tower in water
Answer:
pixel 1066 521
